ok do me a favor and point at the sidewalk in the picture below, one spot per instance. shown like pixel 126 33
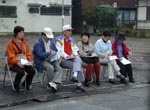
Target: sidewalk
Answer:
pixel 141 69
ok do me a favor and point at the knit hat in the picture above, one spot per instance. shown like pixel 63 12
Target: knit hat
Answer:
pixel 121 36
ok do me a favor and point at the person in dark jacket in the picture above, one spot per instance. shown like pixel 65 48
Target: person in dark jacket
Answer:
pixel 120 49
pixel 46 58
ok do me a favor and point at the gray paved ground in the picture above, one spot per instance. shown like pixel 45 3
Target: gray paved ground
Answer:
pixel 141 68
pixel 132 99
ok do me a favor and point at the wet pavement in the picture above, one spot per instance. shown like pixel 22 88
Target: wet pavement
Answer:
pixel 141 69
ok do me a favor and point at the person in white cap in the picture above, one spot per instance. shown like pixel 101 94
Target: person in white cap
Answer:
pixel 45 58
pixel 69 53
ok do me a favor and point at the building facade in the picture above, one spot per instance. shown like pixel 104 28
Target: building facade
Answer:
pixel 143 15
pixel 126 10
pixel 34 15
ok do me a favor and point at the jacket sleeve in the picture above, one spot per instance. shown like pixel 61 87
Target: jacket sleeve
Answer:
pixel 110 47
pixel 98 49
pixel 59 46
pixel 113 48
pixel 75 49
pixel 127 50
pixel 81 51
pixel 11 56
pixel 38 51
pixel 28 53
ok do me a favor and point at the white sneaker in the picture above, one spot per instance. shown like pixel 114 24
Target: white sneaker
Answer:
pixel 53 87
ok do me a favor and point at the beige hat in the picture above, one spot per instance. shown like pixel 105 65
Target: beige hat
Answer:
pixel 48 31
pixel 67 27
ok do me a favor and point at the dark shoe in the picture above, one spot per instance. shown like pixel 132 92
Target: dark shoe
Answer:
pixel 74 79
pixel 120 76
pixel 81 89
pixel 16 88
pixel 53 87
pixel 113 81
pixel 124 81
pixel 131 80
pixel 87 83
pixel 98 83
pixel 28 87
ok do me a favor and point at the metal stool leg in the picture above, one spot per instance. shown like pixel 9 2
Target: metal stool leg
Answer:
pixel 103 71
pixel 4 79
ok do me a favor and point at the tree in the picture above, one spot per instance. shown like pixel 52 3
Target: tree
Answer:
pixel 99 17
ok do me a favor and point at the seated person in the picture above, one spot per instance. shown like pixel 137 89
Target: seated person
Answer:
pixel 103 50
pixel 45 57
pixel 120 49
pixel 70 59
pixel 18 49
pixel 86 49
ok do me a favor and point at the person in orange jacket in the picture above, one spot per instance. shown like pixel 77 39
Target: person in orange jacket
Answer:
pixel 18 51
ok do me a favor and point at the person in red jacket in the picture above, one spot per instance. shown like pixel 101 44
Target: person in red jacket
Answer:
pixel 120 49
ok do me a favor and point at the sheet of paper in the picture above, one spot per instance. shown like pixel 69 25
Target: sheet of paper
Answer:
pixel 70 58
pixel 89 56
pixel 25 62
pixel 125 61
pixel 112 57
pixel 94 54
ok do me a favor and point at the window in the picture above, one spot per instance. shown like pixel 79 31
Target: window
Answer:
pixel 148 13
pixel 34 10
pixel 54 10
pixel 8 11
pixel 66 11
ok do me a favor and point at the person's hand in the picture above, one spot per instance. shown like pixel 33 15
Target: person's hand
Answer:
pixel 119 59
pixel 103 56
pixel 20 65
pixel 130 53
pixel 32 63
pixel 52 52
pixel 109 54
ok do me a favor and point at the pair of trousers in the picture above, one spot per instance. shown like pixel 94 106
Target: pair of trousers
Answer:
pixel 112 67
pixel 92 68
pixel 75 65
pixel 125 70
pixel 53 72
pixel 21 72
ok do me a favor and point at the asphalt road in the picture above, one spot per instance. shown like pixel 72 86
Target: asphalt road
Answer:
pixel 136 98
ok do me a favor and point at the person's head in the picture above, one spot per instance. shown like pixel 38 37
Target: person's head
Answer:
pixel 85 37
pixel 18 32
pixel 120 37
pixel 67 30
pixel 47 34
pixel 106 35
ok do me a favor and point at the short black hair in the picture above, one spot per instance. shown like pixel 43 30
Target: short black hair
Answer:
pixel 18 29
pixel 85 33
pixel 106 33
pixel 43 34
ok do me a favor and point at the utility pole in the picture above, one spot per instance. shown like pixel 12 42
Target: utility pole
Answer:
pixel 63 14
pixel 115 17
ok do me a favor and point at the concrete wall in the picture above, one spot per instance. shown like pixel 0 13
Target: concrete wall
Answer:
pixel 33 22
pixel 143 23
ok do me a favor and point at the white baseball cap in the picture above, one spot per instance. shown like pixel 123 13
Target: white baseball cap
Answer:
pixel 67 27
pixel 48 31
